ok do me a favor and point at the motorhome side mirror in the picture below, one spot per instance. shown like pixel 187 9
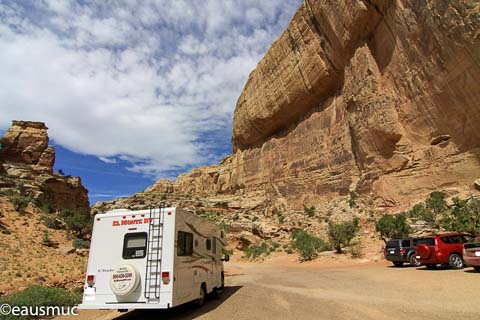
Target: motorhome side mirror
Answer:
pixel 226 258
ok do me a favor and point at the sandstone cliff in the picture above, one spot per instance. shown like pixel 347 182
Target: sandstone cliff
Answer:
pixel 27 161
pixel 373 97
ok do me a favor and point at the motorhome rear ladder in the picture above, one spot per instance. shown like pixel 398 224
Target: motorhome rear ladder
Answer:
pixel 153 268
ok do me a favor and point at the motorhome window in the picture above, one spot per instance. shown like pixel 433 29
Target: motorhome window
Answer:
pixel 135 245
pixel 214 245
pixel 185 244
pixel 209 244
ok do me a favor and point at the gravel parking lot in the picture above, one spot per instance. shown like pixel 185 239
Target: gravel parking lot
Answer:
pixel 375 291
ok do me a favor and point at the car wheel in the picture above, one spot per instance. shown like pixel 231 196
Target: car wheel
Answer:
pixel 414 262
pixel 431 266
pixel 455 261
pixel 398 263
pixel 201 300
pixel 477 269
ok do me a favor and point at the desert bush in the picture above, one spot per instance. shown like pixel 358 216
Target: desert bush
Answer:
pixel 51 222
pixel 340 234
pixel 422 212
pixel 255 251
pixel 20 202
pixel 78 222
pixel 307 245
pixel 356 251
pixel 46 239
pixel 309 211
pixel 352 202
pixel 393 226
pixel 80 243
pixel 225 226
pixel 436 202
pixel 44 206
pixel 36 296
pixel 462 216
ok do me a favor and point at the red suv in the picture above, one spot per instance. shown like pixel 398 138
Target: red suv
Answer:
pixel 445 249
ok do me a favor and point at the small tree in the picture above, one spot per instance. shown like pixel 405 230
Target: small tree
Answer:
pixel 421 212
pixel 341 234
pixel 393 226
pixel 463 216
pixel 79 223
pixel 308 245
pixel 436 202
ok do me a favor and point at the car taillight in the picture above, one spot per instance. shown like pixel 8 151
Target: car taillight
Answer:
pixel 402 251
pixel 90 280
pixel 166 277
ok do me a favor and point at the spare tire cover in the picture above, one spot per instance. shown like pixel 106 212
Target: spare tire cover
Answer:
pixel 424 251
pixel 124 280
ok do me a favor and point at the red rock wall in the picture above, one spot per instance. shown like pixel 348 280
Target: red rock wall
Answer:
pixel 378 97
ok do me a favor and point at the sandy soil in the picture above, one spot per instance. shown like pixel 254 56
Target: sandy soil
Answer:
pixel 280 290
pixel 24 260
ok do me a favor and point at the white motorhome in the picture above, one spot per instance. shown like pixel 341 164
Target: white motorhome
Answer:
pixel 152 259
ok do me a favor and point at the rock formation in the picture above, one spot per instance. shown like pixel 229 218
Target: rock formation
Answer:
pixel 372 97
pixel 28 160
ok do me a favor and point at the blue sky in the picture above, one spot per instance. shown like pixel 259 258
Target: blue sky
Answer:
pixel 132 91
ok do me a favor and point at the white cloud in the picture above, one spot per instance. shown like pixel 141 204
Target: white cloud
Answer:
pixel 108 160
pixel 145 82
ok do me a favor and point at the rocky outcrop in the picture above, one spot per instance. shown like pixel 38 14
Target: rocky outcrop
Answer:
pixel 24 142
pixel 372 97
pixel 27 162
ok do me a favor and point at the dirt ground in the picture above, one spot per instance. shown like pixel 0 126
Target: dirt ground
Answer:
pixel 278 290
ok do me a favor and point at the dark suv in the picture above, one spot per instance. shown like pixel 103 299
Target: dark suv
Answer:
pixel 399 251
pixel 445 249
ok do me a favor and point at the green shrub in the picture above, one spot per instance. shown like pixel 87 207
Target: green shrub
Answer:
pixel 352 202
pixel 21 189
pixel 275 245
pixel 80 243
pixel 309 211
pixel 225 226
pixel 45 206
pixel 307 245
pixel 340 234
pixel 463 216
pixel 436 202
pixel 393 226
pixel 255 251
pixel 20 202
pixel 51 222
pixel 421 212
pixel 79 223
pixel 46 239
pixel 36 296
